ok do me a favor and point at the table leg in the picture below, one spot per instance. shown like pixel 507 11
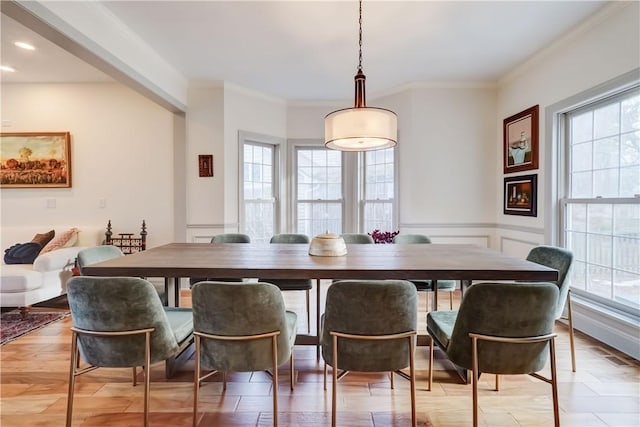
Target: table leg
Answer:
pixel 434 284
pixel 318 320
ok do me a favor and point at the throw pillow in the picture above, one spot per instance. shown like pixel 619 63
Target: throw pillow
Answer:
pixel 64 240
pixel 44 238
pixel 22 253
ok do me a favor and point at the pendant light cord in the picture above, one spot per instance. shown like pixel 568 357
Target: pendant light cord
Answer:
pixel 360 39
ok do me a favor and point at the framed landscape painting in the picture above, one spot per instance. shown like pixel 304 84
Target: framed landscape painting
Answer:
pixel 520 195
pixel 521 141
pixel 35 160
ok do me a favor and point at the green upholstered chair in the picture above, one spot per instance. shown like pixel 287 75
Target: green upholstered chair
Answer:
pixel 369 326
pixel 96 254
pixel 560 259
pixel 241 327
pixel 294 284
pixel 357 238
pixel 500 328
pixel 427 285
pixel 119 322
pixel 223 238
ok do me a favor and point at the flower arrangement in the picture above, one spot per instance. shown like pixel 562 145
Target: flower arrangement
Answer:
pixel 383 236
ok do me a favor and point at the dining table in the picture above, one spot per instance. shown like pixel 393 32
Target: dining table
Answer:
pixel 463 262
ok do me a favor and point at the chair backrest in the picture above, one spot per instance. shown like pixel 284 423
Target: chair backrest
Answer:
pixel 357 238
pixel 411 238
pixel 290 238
pixel 506 310
pixel 559 259
pixel 119 304
pixel 231 238
pixel 369 307
pixel 237 309
pixel 97 254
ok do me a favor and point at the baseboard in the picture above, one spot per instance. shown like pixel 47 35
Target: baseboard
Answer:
pixel 613 329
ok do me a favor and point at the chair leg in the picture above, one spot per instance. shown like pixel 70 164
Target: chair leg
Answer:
pixel 147 376
pixel 135 374
pixel 474 379
pixel 497 382
pixel 571 341
pixel 393 385
pixel 291 370
pixel 325 376
pixel 224 381
pixel 412 373
pixel 72 377
pixel 451 300
pixel 196 381
pixel 308 312
pixel 554 383
pixel 335 381
pixel 274 355
pixel 430 363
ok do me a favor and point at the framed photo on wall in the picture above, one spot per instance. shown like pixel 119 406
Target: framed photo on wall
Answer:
pixel 35 160
pixel 520 195
pixel 521 141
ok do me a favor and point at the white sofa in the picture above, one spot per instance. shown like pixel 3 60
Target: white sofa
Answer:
pixel 22 285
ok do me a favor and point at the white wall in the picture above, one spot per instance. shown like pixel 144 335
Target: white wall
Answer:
pixel 604 47
pixel 121 151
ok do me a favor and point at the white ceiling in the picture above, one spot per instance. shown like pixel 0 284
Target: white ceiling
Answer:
pixel 308 50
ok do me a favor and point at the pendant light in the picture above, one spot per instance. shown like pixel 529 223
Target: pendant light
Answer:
pixel 360 128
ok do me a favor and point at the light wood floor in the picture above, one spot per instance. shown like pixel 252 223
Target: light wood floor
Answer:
pixel 605 391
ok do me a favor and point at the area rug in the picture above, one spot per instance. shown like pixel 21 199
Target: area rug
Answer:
pixel 13 326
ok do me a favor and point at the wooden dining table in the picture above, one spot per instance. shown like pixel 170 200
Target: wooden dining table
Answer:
pixel 292 261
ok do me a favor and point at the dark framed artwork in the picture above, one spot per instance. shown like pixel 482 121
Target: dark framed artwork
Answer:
pixel 520 195
pixel 520 141
pixel 35 160
pixel 205 165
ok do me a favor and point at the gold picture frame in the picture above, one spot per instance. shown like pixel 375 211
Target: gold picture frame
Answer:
pixel 35 160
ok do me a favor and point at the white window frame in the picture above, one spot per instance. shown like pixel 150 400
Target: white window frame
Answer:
pixel 353 187
pixel 245 137
pixel 556 185
pixel 363 200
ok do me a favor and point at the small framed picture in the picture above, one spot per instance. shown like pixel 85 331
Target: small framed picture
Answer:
pixel 205 165
pixel 520 195
pixel 521 141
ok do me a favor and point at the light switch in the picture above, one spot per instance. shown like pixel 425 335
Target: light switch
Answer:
pixel 102 203
pixel 51 203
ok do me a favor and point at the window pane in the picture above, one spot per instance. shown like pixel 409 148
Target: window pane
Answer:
pixel 629 181
pixel 577 243
pixel 577 217
pixel 631 114
pixel 606 153
pixel 378 186
pixel 581 127
pixel 627 288
pixel 304 191
pixel 606 121
pixel 626 221
pixel 599 281
pixel 578 275
pixel 304 158
pixel 259 191
pixel 581 157
pixel 630 149
pixel 599 250
pixel 605 183
pixel 599 219
pixel 581 184
pixel 627 254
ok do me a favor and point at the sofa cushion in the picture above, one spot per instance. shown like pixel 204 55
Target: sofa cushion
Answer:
pixel 57 260
pixel 44 238
pixel 19 278
pixel 63 240
pixel 22 253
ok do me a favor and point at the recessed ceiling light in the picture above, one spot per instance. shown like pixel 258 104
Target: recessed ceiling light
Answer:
pixel 7 68
pixel 24 45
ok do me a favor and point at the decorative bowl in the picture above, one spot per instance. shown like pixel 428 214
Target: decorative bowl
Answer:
pixel 327 244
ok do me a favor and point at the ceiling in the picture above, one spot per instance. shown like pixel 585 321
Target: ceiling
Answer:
pixel 308 50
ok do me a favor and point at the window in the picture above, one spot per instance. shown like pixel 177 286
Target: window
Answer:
pixel 342 192
pixel 378 193
pixel 259 199
pixel 601 218
pixel 319 199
